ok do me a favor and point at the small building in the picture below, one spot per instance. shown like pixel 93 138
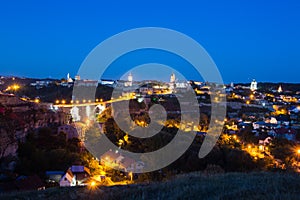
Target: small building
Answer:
pixel 54 175
pixel 68 179
pixel 81 173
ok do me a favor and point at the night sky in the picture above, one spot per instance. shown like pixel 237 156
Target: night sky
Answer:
pixel 246 38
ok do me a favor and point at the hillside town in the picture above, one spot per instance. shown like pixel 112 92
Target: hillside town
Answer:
pixel 43 130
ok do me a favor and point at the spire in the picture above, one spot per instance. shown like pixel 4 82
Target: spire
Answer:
pixel 253 85
pixel 280 89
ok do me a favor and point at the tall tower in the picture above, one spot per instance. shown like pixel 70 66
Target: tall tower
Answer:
pixel 69 79
pixel 280 89
pixel 173 78
pixel 129 80
pixel 172 83
pixel 253 86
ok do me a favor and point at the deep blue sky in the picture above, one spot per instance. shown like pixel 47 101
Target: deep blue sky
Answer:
pixel 246 38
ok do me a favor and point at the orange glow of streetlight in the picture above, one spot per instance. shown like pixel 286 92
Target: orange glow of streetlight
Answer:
pixel 298 151
pixel 131 176
pixel 57 101
pixel 103 173
pixel 15 87
pixel 63 101
pixel 266 148
pixel 93 183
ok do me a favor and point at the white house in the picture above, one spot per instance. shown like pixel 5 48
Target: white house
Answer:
pixel 69 179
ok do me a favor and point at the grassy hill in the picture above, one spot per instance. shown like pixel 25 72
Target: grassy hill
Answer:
pixel 190 186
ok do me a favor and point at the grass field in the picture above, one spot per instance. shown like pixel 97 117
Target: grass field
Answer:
pixel 190 186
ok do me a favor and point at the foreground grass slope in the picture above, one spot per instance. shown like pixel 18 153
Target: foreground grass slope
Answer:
pixel 190 186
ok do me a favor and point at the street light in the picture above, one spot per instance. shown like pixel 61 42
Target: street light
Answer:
pixel 93 183
pixel 131 176
pixel 15 87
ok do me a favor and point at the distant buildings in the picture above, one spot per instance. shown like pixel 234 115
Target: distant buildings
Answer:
pixel 41 84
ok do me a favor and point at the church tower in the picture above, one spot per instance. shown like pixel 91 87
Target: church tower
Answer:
pixel 280 89
pixel 253 86
pixel 172 83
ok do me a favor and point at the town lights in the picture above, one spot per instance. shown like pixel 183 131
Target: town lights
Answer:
pixel 93 183
pixel 131 176
pixel 15 87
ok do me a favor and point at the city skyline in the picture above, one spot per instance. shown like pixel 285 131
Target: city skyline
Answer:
pixel 256 40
